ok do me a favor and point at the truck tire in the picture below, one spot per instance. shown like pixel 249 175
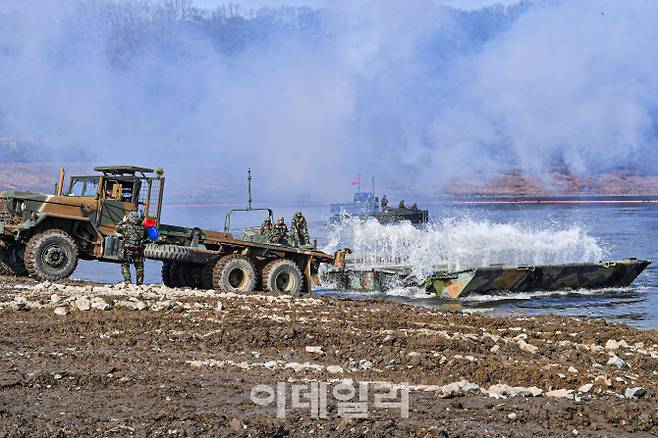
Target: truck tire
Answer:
pixel 176 275
pixel 234 273
pixel 166 274
pixel 196 274
pixel 12 261
pixel 283 276
pixel 51 255
pixel 187 275
pixel 207 274
pixel 169 253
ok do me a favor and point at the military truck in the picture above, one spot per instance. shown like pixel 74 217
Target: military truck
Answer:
pixel 44 236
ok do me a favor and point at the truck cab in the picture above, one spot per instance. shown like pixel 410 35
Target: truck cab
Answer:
pixel 45 235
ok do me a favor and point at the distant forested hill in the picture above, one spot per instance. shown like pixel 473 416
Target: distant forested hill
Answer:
pixel 137 42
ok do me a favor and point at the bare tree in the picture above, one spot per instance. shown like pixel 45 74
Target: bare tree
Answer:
pixel 178 10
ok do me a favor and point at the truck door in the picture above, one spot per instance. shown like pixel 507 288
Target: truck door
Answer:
pixel 116 199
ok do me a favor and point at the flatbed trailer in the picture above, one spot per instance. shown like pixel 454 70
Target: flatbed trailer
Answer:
pixel 207 259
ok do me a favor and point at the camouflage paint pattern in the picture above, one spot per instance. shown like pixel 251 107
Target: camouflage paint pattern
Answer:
pixel 92 221
pixel 369 280
pixel 489 279
pixel 391 216
pixel 23 213
pixel 494 279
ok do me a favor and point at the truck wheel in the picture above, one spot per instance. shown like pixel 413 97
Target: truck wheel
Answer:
pixel 172 253
pixel 207 274
pixel 177 275
pixel 12 261
pixel 187 275
pixel 283 276
pixel 196 275
pixel 51 255
pixel 234 273
pixel 166 274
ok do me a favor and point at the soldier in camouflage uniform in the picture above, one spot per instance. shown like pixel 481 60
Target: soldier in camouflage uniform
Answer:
pixel 299 230
pixel 279 232
pixel 132 230
pixel 266 228
pixel 384 202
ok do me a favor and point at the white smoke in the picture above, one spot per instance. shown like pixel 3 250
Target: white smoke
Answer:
pixel 414 92
pixel 463 243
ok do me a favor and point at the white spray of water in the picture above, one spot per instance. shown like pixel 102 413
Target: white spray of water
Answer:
pixel 462 243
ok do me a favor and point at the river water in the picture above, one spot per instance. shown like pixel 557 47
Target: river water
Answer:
pixel 469 236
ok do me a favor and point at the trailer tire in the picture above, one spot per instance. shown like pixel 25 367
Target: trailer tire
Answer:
pixel 207 274
pixel 283 276
pixel 180 276
pixel 12 262
pixel 51 255
pixel 188 275
pixel 169 253
pixel 167 279
pixel 234 273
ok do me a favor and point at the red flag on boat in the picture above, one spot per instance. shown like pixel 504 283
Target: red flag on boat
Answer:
pixel 356 180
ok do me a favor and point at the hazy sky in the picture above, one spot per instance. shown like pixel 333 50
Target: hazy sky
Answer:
pixel 259 3
pixel 462 4
pixel 406 90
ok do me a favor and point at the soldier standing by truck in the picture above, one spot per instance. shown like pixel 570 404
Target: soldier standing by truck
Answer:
pixel 279 232
pixel 266 228
pixel 133 246
pixel 299 230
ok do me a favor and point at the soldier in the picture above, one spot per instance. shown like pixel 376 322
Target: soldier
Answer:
pixel 266 228
pixel 402 204
pixel 133 246
pixel 279 231
pixel 384 202
pixel 299 230
pixel 414 206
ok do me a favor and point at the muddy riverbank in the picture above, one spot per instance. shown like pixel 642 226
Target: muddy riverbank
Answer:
pixel 83 358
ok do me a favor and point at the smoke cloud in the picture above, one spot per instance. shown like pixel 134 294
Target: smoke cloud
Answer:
pixel 414 93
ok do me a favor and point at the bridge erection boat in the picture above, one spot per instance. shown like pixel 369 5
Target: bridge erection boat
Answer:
pixel 492 279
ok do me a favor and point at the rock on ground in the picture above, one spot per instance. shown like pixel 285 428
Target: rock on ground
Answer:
pixel 94 373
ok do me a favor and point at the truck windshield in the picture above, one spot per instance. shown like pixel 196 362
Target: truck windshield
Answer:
pixel 83 186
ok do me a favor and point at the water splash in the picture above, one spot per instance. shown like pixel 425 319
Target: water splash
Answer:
pixel 461 243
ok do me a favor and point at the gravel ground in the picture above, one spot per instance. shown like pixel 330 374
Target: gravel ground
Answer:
pixel 87 359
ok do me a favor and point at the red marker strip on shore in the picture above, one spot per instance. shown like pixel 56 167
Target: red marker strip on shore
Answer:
pixel 566 201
